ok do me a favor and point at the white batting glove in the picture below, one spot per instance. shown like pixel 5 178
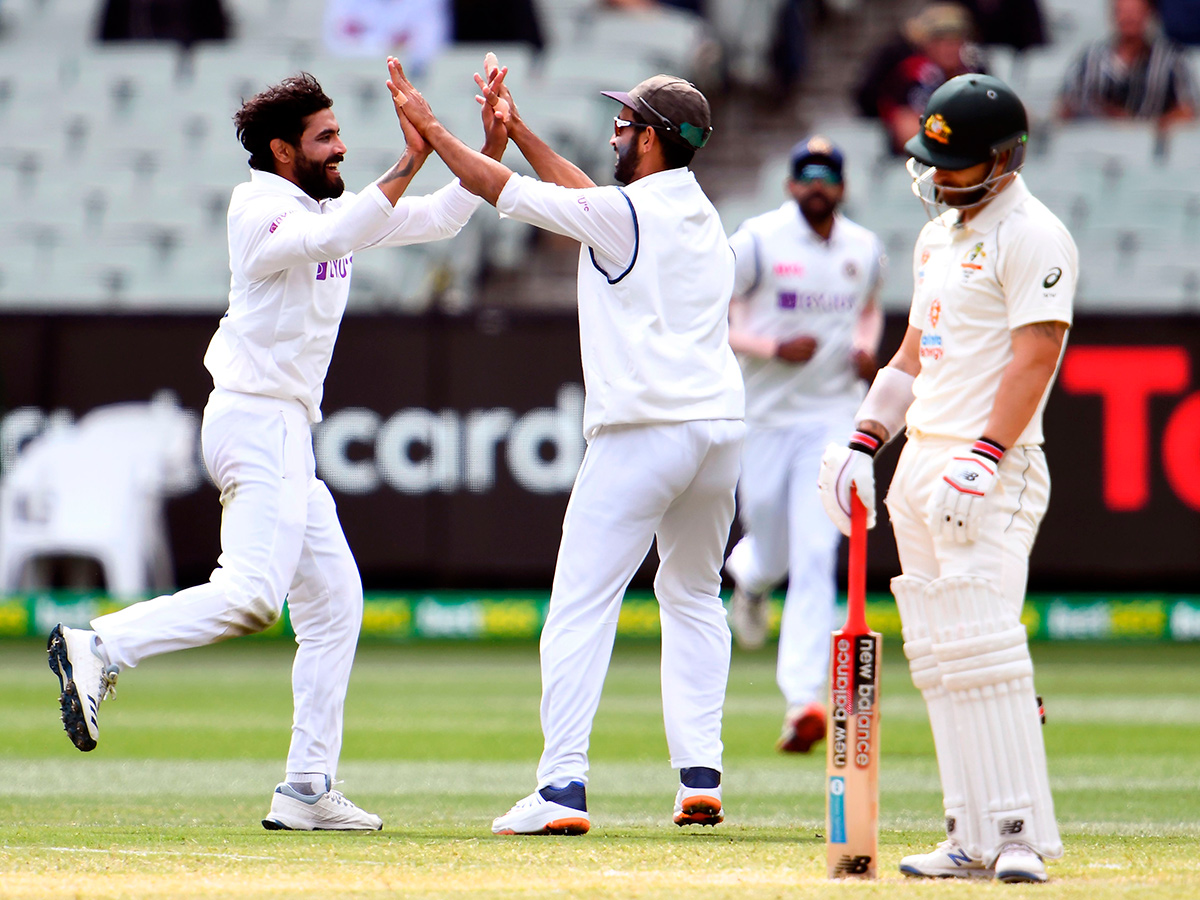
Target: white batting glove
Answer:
pixel 842 467
pixel 958 501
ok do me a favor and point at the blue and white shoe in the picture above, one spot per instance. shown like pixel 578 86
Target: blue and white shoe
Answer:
pixel 949 860
pixel 549 810
pixel 85 682
pixel 1018 863
pixel 328 811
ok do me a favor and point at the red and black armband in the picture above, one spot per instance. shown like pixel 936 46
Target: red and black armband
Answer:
pixel 865 442
pixel 989 450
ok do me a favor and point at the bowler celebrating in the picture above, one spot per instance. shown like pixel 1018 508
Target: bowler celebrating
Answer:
pixel 293 231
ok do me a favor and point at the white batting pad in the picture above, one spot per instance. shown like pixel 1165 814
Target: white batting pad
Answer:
pixel 983 655
pixel 918 647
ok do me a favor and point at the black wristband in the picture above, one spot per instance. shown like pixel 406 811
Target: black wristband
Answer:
pixel 989 449
pixel 865 442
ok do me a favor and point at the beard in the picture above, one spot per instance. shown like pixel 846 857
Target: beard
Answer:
pixel 627 160
pixel 962 197
pixel 316 181
pixel 817 208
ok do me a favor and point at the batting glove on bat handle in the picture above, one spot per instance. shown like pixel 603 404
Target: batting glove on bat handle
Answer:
pixel 841 467
pixel 957 503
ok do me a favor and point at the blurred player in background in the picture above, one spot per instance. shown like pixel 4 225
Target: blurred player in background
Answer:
pixel 995 277
pixel 663 419
pixel 806 327
pixel 292 232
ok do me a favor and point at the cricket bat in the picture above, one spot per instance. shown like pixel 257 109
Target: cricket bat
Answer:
pixel 852 761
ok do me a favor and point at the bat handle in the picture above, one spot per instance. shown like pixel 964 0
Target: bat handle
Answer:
pixel 856 588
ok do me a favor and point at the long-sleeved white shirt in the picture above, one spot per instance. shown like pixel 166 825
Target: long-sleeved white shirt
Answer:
pixel 290 258
pixel 655 278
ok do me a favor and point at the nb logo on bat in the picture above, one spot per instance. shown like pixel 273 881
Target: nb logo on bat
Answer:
pixel 853 865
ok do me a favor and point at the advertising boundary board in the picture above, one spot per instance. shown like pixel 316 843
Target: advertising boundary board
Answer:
pixel 402 617
pixel 450 443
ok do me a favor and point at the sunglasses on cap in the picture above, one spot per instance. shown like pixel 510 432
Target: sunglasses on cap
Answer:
pixel 818 174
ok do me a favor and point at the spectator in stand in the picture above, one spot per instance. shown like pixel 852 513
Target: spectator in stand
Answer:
pixel 416 30
pixel 1133 73
pixel 933 48
pixel 1014 23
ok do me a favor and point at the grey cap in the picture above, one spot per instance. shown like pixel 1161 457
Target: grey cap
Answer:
pixel 672 104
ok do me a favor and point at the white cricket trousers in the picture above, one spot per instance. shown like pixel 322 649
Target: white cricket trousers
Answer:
pixel 673 481
pixel 280 537
pixel 789 535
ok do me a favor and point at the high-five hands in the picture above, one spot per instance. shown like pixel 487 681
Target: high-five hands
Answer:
pixel 409 103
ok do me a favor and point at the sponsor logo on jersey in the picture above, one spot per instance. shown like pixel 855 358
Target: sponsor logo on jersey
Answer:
pixel 582 201
pixel 275 223
pixel 1052 277
pixel 931 346
pixel 783 269
pixel 936 129
pixel 337 268
pixel 817 301
pixel 935 311
pixel 925 256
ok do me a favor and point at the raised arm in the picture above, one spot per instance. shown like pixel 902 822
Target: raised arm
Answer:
pixel 479 174
pixel 548 165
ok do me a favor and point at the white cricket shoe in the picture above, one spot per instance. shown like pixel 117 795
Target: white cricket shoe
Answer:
pixel 1019 863
pixel 549 810
pixel 85 682
pixel 949 860
pixel 748 617
pixel 698 806
pixel 330 811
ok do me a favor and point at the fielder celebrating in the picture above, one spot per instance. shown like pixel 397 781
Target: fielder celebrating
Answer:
pixel 995 275
pixel 806 329
pixel 663 420
pixel 292 232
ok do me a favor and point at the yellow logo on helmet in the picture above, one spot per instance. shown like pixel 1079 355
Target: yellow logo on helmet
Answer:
pixel 936 129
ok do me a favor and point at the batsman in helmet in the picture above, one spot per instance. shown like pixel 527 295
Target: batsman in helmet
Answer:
pixel 994 277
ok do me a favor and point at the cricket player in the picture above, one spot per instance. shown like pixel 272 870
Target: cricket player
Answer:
pixel 293 230
pixel 995 275
pixel 663 420
pixel 806 324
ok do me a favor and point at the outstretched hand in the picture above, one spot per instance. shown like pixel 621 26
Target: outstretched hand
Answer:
pixel 409 103
pixel 494 95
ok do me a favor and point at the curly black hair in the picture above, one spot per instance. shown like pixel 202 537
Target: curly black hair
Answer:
pixel 278 112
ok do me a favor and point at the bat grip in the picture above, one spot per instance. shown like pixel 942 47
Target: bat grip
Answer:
pixel 856 587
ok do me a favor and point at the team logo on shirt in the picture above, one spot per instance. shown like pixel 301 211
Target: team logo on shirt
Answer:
pixel 1052 278
pixel 925 256
pixel 850 269
pixel 976 252
pixel 936 129
pixel 935 312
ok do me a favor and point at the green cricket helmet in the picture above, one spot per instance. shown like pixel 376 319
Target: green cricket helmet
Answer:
pixel 969 120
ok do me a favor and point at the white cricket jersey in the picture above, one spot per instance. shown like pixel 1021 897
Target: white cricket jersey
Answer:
pixel 290 259
pixel 797 283
pixel 1012 264
pixel 655 278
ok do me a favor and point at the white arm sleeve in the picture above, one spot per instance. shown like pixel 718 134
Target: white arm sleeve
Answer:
pixel 282 235
pixel 430 217
pixel 888 400
pixel 602 218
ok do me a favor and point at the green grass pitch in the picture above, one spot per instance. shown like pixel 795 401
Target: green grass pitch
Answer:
pixel 442 738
